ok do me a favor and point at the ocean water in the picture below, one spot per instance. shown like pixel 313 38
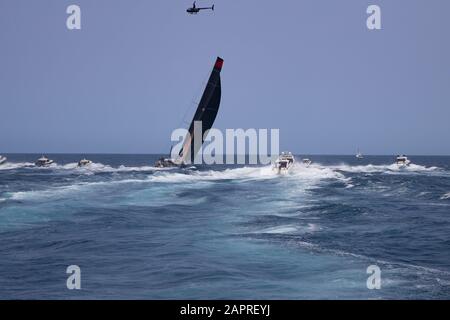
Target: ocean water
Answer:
pixel 224 232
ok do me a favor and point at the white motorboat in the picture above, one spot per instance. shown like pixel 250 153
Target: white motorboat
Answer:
pixel 43 162
pixel 284 162
pixel 84 162
pixel 402 161
pixel 306 161
pixel 2 159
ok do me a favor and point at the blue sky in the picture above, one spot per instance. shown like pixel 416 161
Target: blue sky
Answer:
pixel 311 68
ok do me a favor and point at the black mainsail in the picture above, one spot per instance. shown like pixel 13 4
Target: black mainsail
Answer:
pixel 206 113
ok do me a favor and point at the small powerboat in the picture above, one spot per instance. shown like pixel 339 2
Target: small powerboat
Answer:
pixel 284 162
pixel 306 161
pixel 2 159
pixel 402 161
pixel 43 162
pixel 84 162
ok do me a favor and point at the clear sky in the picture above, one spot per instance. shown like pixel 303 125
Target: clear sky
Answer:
pixel 309 67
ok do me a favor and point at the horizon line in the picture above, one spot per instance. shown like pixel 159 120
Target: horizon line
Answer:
pixel 153 153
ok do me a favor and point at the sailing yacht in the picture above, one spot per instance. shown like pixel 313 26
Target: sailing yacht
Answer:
pixel 206 114
pixel 2 159
pixel 359 155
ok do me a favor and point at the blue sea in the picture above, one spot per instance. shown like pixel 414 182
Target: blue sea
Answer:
pixel 224 232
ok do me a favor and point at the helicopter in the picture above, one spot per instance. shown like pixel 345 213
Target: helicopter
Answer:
pixel 195 10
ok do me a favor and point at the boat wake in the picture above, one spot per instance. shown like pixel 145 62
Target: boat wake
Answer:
pixel 316 172
pixel 103 168
pixel 300 177
pixel 298 172
pixel 389 169
pixel 63 191
pixel 244 173
pixel 313 172
pixel 87 169
pixel 15 165
pixel 305 177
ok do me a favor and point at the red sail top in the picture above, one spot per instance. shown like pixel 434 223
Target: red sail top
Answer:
pixel 219 64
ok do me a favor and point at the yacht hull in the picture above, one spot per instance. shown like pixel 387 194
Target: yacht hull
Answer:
pixel 284 163
pixel 46 164
pixel 84 163
pixel 168 163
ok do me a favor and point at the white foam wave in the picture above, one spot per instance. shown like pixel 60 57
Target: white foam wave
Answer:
pixel 279 229
pixel 54 165
pixel 298 173
pixel 143 169
pixel 391 264
pixel 446 196
pixel 312 172
pixel 309 228
pixel 88 169
pixel 244 173
pixel 103 168
pixel 316 172
pixel 37 194
pixel 15 165
pixel 57 192
pixel 388 168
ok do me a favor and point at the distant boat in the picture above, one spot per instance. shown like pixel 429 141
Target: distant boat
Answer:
pixel 359 155
pixel 43 162
pixel 84 162
pixel 284 162
pixel 206 113
pixel 2 159
pixel 402 161
pixel 306 161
